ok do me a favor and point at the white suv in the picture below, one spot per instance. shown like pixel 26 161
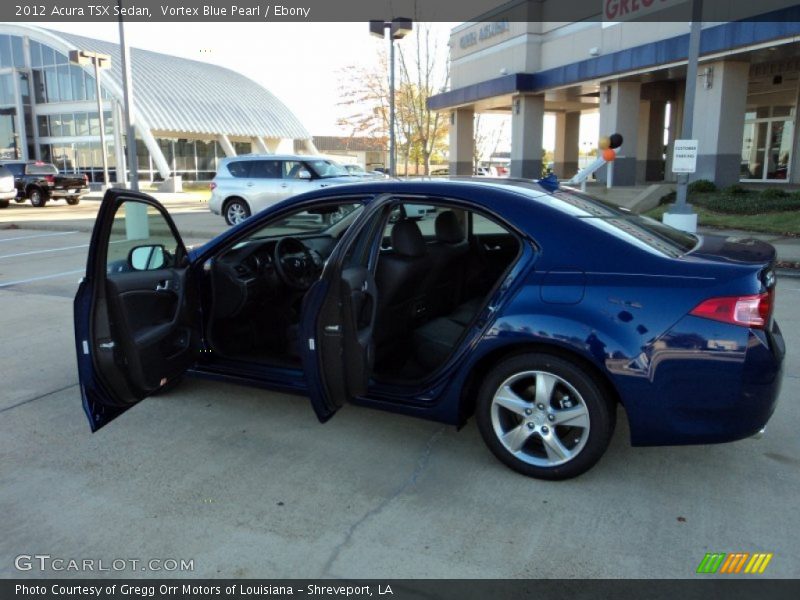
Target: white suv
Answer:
pixel 247 184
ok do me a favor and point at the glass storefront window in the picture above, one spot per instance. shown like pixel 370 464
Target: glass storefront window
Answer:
pixel 18 56
pixel 64 83
pixel 36 54
pixel 90 86
pixel 5 51
pixel 82 124
pixel 44 126
pixel 67 124
pixel 8 133
pixel 78 83
pixel 51 85
pixel 48 56
pixel 7 89
pixel 767 143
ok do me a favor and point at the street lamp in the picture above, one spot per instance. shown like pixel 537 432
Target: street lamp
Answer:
pixel 100 61
pixel 127 90
pixel 398 29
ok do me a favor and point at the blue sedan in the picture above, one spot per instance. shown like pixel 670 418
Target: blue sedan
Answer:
pixel 537 310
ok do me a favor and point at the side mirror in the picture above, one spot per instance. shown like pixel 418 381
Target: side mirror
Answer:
pixel 147 258
pixel 303 174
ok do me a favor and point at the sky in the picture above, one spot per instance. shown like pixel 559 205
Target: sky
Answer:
pixel 300 63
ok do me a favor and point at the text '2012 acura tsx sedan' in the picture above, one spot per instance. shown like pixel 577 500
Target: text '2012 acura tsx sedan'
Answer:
pixel 537 310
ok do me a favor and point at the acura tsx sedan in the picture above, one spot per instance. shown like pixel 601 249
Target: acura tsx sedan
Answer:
pixel 537 310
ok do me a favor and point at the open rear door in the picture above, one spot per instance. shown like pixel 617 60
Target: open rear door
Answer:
pixel 338 315
pixel 135 329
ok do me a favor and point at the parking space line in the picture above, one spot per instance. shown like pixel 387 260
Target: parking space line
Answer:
pixel 40 278
pixel 54 250
pixel 37 235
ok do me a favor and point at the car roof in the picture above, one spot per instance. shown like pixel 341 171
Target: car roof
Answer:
pixel 274 157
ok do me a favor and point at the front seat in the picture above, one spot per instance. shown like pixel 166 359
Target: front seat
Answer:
pixel 448 258
pixel 400 279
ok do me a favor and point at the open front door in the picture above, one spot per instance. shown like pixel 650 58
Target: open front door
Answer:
pixel 338 316
pixel 135 330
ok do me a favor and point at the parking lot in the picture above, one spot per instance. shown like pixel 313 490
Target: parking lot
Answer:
pixel 247 483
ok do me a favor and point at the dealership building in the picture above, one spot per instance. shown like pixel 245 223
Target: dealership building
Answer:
pixel 634 74
pixel 186 114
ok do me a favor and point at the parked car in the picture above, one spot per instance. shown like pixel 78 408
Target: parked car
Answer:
pixel 8 190
pixel 359 171
pixel 40 182
pixel 245 185
pixel 538 311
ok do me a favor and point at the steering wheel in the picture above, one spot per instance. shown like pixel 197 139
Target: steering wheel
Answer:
pixel 295 264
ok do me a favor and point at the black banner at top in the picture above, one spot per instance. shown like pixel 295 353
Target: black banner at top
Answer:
pixel 419 10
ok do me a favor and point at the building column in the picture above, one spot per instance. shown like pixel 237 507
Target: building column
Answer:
pixel 650 145
pixel 259 145
pixel 719 106
pixel 119 148
pixel 226 145
pixel 619 113
pixel 527 129
pixel 568 128
pixel 462 141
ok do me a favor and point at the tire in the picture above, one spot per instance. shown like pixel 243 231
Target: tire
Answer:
pixel 37 197
pixel 235 211
pixel 19 200
pixel 73 200
pixel 4 203
pixel 560 440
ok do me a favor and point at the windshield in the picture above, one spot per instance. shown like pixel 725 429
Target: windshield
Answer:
pixel 327 168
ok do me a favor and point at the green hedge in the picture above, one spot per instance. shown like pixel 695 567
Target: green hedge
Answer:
pixel 748 203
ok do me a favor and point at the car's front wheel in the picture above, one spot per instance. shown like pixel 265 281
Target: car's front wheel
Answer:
pixel 236 210
pixel 544 417
pixel 73 200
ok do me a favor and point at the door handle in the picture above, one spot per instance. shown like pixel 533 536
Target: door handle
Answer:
pixel 164 286
pixel 250 184
pixel 283 185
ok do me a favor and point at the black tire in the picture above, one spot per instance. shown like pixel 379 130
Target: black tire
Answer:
pixel 234 207
pixel 19 200
pixel 37 197
pixel 4 203
pixel 73 200
pixel 600 413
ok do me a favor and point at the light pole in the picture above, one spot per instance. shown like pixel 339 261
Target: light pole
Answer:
pixel 680 214
pixel 127 89
pixel 398 29
pixel 100 61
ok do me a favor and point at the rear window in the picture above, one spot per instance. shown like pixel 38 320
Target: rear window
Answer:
pixel 635 228
pixel 41 169
pixel 239 168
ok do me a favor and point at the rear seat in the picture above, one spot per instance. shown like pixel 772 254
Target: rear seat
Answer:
pixel 436 339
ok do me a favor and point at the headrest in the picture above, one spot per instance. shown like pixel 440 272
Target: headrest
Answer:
pixel 407 239
pixel 448 229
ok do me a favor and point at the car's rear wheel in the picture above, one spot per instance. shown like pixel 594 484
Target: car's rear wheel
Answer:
pixel 37 197
pixel 73 200
pixel 544 417
pixel 236 210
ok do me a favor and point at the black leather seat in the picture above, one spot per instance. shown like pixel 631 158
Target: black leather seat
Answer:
pixel 401 279
pixel 449 258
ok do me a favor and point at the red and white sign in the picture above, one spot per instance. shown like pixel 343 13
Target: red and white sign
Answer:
pixel 628 10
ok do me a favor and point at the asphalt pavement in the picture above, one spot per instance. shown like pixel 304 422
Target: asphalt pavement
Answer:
pixel 246 483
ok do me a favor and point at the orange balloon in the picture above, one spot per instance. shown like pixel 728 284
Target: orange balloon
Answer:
pixel 609 155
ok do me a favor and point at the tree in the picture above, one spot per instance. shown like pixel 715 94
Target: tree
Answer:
pixel 364 94
pixel 487 139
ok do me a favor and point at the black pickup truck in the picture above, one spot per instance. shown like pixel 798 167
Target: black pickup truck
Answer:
pixel 40 181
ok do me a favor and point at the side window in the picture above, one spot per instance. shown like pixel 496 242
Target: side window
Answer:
pixel 140 240
pixel 240 168
pixel 294 169
pixel 265 169
pixel 483 226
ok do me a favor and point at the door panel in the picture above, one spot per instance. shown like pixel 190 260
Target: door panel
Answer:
pixel 338 316
pixel 135 311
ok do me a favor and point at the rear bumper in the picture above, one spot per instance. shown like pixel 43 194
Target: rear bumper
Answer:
pixel 68 193
pixel 9 195
pixel 722 389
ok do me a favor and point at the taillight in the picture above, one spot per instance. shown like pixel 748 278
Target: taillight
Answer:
pixel 85 179
pixel 50 178
pixel 212 186
pixel 750 311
